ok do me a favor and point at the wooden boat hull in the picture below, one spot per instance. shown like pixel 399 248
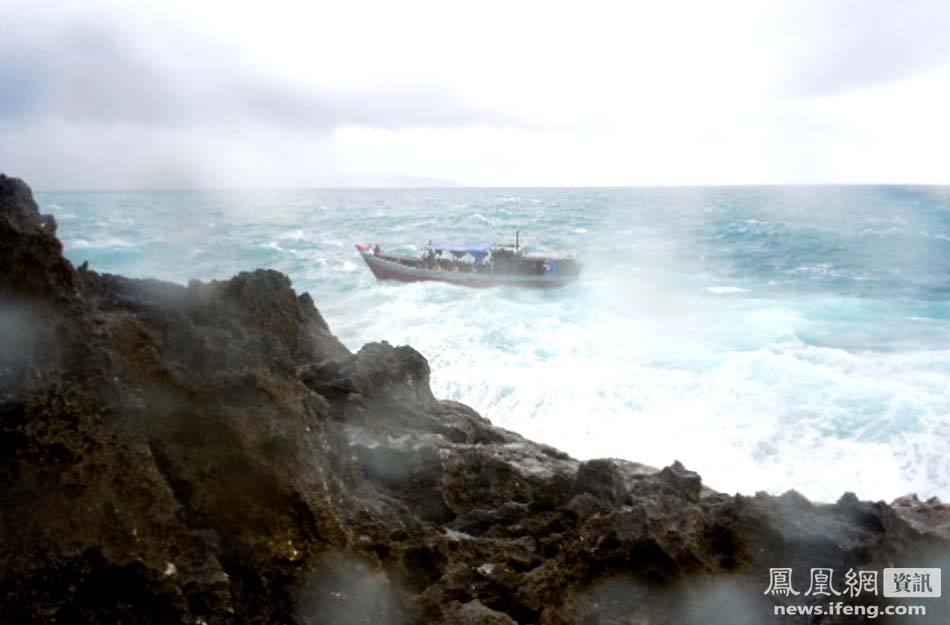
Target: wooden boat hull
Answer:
pixel 385 269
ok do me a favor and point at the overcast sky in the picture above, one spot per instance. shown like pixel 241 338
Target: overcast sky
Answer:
pixel 284 94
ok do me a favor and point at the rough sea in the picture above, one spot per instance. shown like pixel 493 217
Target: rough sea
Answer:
pixel 769 338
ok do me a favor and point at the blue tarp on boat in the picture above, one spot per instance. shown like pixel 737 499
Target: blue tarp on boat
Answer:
pixel 477 251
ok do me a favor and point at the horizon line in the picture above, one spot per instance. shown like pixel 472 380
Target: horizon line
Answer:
pixel 486 187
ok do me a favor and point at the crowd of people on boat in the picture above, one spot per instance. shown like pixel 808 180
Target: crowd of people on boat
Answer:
pixel 509 263
pixel 498 260
pixel 434 261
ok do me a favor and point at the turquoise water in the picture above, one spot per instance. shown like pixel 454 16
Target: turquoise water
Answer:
pixel 769 338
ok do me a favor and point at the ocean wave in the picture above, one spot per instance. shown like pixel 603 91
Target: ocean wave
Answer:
pixel 871 232
pixel 721 290
pixel 772 419
pixel 656 354
pixel 296 234
pixel 100 244
pixel 272 245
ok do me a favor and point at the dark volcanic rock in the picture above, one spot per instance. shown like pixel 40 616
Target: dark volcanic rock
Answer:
pixel 212 454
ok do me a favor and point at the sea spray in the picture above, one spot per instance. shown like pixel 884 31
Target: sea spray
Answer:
pixel 768 337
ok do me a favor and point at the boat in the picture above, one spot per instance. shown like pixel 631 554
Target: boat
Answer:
pixel 474 265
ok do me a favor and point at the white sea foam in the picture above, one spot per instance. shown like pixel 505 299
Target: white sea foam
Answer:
pixel 735 394
pixel 103 243
pixel 293 235
pixel 272 245
pixel 720 290
pixel 885 232
pixel 825 370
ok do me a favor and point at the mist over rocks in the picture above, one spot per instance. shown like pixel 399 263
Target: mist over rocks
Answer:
pixel 212 454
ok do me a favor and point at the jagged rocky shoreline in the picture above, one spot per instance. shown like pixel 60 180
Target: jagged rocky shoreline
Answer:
pixel 212 454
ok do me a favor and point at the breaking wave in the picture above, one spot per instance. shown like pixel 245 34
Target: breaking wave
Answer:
pixel 767 338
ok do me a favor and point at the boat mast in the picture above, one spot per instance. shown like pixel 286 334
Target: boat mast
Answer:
pixel 517 234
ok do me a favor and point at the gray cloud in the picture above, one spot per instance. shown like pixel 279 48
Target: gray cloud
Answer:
pixel 841 45
pixel 102 73
pixel 106 94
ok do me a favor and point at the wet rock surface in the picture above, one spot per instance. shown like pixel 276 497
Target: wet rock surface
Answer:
pixel 210 454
